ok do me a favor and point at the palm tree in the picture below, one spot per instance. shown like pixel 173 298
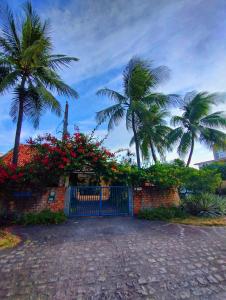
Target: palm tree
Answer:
pixel 197 124
pixel 28 67
pixel 139 81
pixel 152 131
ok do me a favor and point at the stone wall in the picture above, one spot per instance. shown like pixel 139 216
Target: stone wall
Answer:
pixel 150 197
pixel 34 203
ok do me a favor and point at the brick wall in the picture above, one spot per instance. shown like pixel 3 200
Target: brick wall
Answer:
pixel 150 197
pixel 36 203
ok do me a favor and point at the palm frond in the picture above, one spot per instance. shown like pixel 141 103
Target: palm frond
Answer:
pixel 35 50
pixel 51 80
pixel 8 80
pixel 212 137
pixel 217 119
pixel 113 113
pixel 177 121
pixel 61 61
pixel 132 141
pixel 10 37
pixel 116 118
pixel 199 106
pixel 156 98
pixel 185 143
pixel 175 135
pixel 144 147
pixel 160 74
pixel 49 101
pixel 129 119
pixel 6 46
pixel 113 95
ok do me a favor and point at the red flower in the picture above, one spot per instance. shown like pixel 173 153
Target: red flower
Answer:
pixel 45 161
pixel 77 135
pixel 81 150
pixel 14 177
pixel 73 154
pixel 65 160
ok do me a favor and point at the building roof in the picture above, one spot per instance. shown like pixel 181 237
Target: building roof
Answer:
pixel 210 161
pixel 25 155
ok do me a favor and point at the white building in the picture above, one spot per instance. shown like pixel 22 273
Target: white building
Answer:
pixel 218 154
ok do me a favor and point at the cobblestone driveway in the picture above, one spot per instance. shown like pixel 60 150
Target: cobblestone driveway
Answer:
pixel 116 258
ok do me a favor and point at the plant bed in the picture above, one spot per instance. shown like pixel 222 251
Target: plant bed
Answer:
pixel 200 221
pixel 178 215
pixel 162 213
pixel 8 240
pixel 44 217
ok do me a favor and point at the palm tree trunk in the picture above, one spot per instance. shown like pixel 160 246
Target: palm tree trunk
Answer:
pixel 19 123
pixel 136 140
pixel 191 151
pixel 153 152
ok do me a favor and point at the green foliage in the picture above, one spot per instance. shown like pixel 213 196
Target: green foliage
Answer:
pixel 200 181
pixel 26 57
pixel 30 69
pixel 161 175
pixel 44 217
pixel 139 81
pixel 219 167
pixel 162 213
pixel 152 131
pixel 178 162
pixel 169 175
pixel 165 175
pixel 197 123
pixel 204 204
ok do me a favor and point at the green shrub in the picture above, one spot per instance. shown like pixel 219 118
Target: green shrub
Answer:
pixel 204 205
pixel 200 181
pixel 219 167
pixel 44 217
pixel 165 175
pixel 162 213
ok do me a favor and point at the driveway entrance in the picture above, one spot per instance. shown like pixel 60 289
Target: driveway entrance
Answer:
pixel 115 258
pixel 100 201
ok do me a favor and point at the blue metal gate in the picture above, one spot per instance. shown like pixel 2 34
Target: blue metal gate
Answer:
pixel 100 201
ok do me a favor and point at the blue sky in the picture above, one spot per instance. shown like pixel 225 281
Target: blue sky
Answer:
pixel 187 36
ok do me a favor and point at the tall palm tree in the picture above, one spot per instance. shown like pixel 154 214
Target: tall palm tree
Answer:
pixel 28 67
pixel 139 82
pixel 152 131
pixel 197 124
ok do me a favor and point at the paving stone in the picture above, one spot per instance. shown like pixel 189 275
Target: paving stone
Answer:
pixel 185 294
pixel 115 258
pixel 142 281
pixel 218 277
pixel 202 280
pixel 212 279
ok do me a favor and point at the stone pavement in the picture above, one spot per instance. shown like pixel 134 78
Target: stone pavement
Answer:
pixel 115 258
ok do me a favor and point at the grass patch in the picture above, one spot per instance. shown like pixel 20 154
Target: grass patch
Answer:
pixel 178 215
pixel 44 217
pixel 162 213
pixel 200 221
pixel 8 240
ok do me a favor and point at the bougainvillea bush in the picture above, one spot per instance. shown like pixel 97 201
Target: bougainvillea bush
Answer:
pixel 53 158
